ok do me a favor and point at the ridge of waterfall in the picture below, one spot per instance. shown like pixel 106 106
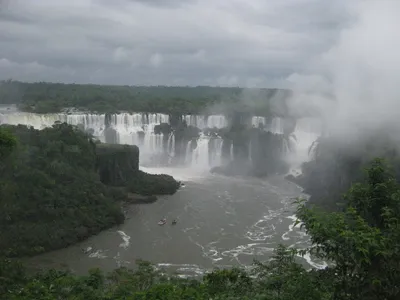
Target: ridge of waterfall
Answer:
pixel 203 122
pixel 138 129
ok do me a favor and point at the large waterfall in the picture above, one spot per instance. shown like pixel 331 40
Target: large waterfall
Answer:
pixel 138 129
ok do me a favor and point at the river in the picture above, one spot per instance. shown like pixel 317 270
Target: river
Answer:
pixel 222 222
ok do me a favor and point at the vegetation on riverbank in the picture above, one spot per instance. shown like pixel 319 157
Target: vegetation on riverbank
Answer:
pixel 336 164
pixel 118 166
pixel 43 97
pixel 51 192
pixel 360 244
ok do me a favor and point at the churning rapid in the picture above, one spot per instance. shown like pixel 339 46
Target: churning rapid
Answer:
pixel 222 221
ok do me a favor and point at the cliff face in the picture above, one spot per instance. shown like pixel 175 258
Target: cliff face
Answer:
pixel 253 151
pixel 116 164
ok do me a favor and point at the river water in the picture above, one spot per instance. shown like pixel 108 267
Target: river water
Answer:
pixel 222 222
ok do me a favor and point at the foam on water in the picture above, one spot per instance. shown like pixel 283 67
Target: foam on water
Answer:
pixel 312 263
pixel 180 174
pixel 101 254
pixel 126 238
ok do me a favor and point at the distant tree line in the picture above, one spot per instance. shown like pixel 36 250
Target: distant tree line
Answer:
pixel 43 97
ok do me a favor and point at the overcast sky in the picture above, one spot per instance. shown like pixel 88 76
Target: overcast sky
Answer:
pixel 165 42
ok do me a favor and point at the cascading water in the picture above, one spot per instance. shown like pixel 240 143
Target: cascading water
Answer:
pixel 200 155
pixel 203 122
pixel 128 127
pixel 273 125
pixel 307 131
pixel 171 145
pixel 188 153
pixel 138 129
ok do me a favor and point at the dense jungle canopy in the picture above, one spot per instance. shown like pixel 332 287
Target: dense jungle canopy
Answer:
pixel 57 187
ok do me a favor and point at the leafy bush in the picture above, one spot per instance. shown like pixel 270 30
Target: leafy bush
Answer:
pixel 152 184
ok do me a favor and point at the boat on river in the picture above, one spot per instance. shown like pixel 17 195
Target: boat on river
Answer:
pixel 162 222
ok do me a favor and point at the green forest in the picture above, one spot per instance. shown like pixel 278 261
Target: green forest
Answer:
pixel 52 194
pixel 57 187
pixel 43 97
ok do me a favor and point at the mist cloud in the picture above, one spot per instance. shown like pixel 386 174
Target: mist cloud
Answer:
pixel 209 42
pixel 355 84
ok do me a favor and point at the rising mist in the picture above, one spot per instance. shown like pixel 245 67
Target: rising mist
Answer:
pixel 355 85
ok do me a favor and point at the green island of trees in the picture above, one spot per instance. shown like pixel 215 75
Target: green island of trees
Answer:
pixel 57 187
pixel 44 97
pixel 49 175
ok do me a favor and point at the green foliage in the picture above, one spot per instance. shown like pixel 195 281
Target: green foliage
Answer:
pixel 362 241
pixel 59 187
pixel 7 143
pixel 337 164
pixel 52 97
pixel 145 282
pixel 50 192
pixel 118 166
pixel 117 163
pixel 152 184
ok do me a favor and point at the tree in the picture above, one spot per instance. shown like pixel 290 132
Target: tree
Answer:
pixel 7 143
pixel 363 241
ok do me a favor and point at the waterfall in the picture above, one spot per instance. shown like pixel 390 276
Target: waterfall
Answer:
pixel 188 153
pixel 274 125
pixel 217 121
pixel 216 154
pixel 200 155
pixel 307 131
pixel 250 150
pixel 138 129
pixel 256 121
pixel 171 145
pixel 202 122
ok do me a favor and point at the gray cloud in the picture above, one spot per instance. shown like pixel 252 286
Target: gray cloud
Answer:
pixel 162 3
pixel 216 42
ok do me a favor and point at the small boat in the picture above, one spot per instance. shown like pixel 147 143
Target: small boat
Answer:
pixel 162 222
pixel 174 222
